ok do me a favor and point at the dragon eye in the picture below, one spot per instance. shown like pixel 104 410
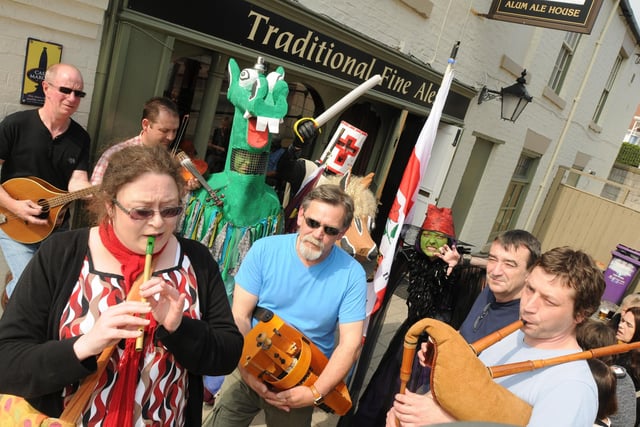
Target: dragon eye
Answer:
pixel 248 77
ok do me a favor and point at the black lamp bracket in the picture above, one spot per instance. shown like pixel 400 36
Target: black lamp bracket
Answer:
pixel 487 95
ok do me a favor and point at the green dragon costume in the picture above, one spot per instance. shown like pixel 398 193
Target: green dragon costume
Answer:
pixel 241 207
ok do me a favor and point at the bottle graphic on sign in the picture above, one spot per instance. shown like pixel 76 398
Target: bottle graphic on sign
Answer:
pixel 36 75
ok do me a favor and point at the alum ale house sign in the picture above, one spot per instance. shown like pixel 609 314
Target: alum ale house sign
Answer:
pixel 571 15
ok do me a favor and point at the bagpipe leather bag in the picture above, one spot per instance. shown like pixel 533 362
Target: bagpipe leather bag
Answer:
pixel 462 384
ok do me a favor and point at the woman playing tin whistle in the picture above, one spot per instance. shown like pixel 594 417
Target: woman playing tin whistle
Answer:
pixel 86 291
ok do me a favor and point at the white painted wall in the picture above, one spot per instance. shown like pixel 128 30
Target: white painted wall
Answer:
pixel 75 24
pixel 484 44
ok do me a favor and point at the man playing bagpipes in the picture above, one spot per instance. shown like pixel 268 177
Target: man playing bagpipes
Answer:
pixel 512 255
pixel 563 289
pixel 314 286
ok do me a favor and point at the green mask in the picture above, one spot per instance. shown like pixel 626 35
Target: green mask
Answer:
pixel 431 242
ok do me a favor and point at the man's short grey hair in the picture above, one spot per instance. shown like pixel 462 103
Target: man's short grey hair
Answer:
pixel 332 195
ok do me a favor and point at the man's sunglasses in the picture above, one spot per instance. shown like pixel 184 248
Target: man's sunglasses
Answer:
pixel 147 213
pixel 481 316
pixel 329 231
pixel 68 90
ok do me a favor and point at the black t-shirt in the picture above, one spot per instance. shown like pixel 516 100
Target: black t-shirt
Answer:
pixel 27 149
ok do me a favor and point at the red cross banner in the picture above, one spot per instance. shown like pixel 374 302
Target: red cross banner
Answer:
pixel 346 142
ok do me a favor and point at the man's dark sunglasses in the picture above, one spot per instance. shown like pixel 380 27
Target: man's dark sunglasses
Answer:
pixel 68 90
pixel 147 213
pixel 329 231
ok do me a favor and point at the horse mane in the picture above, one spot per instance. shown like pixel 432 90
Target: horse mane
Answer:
pixel 364 200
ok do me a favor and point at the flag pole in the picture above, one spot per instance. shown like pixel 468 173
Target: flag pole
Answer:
pixel 403 206
pixel 401 210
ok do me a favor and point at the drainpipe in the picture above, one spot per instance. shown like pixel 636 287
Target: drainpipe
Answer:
pixel 102 68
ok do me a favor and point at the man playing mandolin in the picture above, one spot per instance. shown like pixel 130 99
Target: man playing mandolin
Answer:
pixel 313 285
pixel 47 144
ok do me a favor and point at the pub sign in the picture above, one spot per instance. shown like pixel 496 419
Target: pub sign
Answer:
pixel 570 15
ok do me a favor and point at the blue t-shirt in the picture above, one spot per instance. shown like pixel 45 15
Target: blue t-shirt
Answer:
pixel 311 299
pixel 561 395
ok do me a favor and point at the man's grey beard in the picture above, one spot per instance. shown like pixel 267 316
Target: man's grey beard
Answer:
pixel 308 253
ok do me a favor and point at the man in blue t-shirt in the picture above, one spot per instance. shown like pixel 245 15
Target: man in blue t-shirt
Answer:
pixel 314 286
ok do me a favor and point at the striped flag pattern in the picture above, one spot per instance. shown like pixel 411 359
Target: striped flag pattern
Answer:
pixel 403 205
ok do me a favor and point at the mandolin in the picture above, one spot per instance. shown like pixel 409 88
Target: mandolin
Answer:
pixel 52 200
pixel 282 357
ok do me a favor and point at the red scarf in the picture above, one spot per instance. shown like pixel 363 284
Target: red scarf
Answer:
pixel 121 402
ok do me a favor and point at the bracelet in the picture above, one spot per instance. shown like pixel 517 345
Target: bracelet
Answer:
pixel 466 259
pixel 318 398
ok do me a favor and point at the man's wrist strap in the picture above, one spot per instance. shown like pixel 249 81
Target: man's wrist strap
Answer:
pixel 318 398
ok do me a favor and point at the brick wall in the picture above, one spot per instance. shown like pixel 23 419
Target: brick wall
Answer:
pixel 75 24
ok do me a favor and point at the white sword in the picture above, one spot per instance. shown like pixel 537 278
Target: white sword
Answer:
pixel 341 104
pixel 348 99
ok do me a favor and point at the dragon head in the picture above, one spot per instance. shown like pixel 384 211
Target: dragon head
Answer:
pixel 261 103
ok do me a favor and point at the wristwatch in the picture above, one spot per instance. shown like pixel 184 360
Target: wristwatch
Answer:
pixel 318 399
pixel 466 259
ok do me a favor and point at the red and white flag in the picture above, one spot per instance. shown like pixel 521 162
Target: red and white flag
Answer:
pixel 403 205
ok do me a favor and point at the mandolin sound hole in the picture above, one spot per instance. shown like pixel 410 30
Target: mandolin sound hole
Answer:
pixel 45 209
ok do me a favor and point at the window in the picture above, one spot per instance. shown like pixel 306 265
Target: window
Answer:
pixel 607 88
pixel 633 135
pixel 565 56
pixel 515 195
pixel 633 138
